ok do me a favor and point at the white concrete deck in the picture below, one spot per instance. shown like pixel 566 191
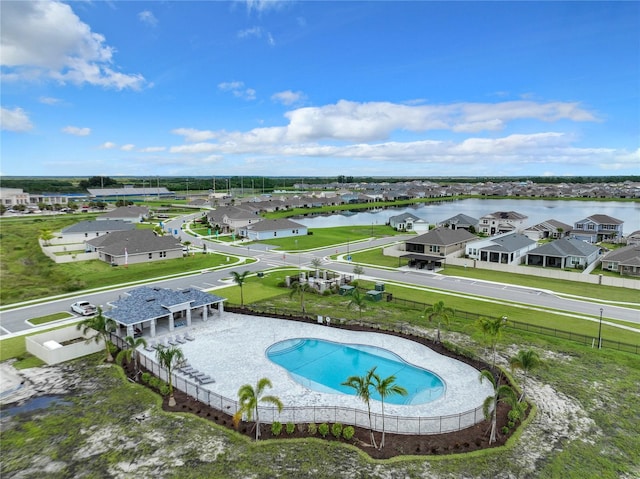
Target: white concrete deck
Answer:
pixel 232 350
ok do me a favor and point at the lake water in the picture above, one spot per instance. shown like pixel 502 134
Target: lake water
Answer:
pixel 538 211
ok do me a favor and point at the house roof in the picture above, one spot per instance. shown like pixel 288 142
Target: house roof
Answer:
pixel 509 243
pixel 130 211
pixel 602 220
pixel 565 247
pixel 550 225
pixel 92 226
pixel 461 219
pixel 135 242
pixel 627 256
pixel 443 236
pixel 274 225
pixel 145 303
pixel 506 215
pixel 404 217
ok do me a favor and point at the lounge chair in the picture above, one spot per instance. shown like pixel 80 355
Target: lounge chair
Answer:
pixel 187 370
pixel 180 339
pixel 188 336
pixel 206 379
pixel 172 341
pixel 151 345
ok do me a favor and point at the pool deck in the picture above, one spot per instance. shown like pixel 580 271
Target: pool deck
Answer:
pixel 232 350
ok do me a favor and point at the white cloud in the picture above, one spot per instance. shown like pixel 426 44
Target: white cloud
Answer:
pixel 49 100
pixel 250 32
pixel 77 131
pixel 15 120
pixel 288 97
pixel 148 17
pixel 238 90
pixel 261 6
pixel 108 145
pixel 128 147
pixel 152 149
pixel 194 148
pixel 46 39
pixel 192 135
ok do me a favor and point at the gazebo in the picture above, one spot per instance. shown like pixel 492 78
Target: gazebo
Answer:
pixel 147 307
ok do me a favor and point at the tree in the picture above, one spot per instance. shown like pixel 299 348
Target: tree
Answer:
pixel 316 263
pixel 439 312
pixel 386 387
pixel 526 360
pixel 46 236
pixel 492 328
pixel 358 270
pixel 501 393
pixel 300 288
pixel 102 326
pixel 170 358
pixel 362 386
pixel 129 351
pixel 358 300
pixel 239 279
pixel 250 398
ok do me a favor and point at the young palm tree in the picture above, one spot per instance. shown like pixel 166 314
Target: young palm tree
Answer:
pixel 527 360
pixel 440 313
pixel 300 288
pixel 358 270
pixel 492 327
pixel 362 385
pixel 170 358
pixel 501 393
pixel 102 327
pixel 239 279
pixel 358 300
pixel 46 236
pixel 250 398
pixel 386 387
pixel 129 352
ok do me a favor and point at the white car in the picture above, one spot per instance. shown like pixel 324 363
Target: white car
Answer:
pixel 85 308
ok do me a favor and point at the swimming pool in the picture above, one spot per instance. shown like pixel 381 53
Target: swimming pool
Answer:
pixel 324 365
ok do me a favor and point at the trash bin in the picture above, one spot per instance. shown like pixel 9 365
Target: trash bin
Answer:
pixel 389 297
pixel 379 287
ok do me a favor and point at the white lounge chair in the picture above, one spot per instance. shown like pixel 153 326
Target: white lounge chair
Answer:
pixel 188 336
pixel 180 339
pixel 172 341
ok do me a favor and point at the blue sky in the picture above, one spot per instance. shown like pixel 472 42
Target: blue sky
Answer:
pixel 286 88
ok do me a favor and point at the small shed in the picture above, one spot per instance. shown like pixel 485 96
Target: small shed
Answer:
pixel 374 295
pixel 346 290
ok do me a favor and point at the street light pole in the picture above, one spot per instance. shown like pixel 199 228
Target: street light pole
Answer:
pixel 600 331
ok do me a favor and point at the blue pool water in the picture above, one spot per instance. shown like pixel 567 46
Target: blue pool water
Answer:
pixel 324 365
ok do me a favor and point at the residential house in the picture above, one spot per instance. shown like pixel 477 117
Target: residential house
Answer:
pixel 597 228
pixel 428 250
pixel 625 261
pixel 633 238
pixel 502 222
pixel 228 219
pixel 272 228
pixel 131 213
pixel 461 221
pixel 79 232
pixel 151 309
pixel 549 229
pixel 564 253
pixel 508 248
pixel 136 246
pixel 408 222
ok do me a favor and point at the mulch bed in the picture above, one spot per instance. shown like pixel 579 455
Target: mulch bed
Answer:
pixel 466 440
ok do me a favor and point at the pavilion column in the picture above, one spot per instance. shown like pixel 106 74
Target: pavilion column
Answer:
pixel 171 322
pixel 130 330
pixel 205 312
pixel 152 326
pixel 220 308
pixel 189 316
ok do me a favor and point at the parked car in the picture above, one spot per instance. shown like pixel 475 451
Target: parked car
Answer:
pixel 85 308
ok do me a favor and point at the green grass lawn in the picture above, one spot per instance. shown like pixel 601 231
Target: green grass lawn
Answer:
pixel 50 317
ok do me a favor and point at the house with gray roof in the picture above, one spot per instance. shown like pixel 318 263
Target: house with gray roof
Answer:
pixel 563 253
pixel 596 228
pixel 460 221
pixel 508 248
pixel 84 230
pixel 502 222
pixel 633 238
pixel 131 213
pixel 122 248
pixel 153 309
pixel 428 250
pixel 625 261
pixel 549 229
pixel 227 219
pixel 408 222
pixel 272 228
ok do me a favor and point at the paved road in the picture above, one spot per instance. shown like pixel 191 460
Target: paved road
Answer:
pixel 15 320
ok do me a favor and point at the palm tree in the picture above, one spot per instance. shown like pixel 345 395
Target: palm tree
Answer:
pixel 526 360
pixel 300 288
pixel 501 393
pixel 46 236
pixel 239 279
pixel 439 312
pixel 386 387
pixel 170 358
pixel 358 300
pixel 250 398
pixel 362 386
pixel 129 352
pixel 102 327
pixel 492 327
pixel 358 270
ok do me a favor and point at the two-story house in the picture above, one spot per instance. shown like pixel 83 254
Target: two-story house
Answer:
pixel 502 222
pixel 597 228
pixel 428 250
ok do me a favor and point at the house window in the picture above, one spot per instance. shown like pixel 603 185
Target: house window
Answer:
pixel 150 255
pixel 434 248
pixel 275 233
pixel 591 226
pixel 163 254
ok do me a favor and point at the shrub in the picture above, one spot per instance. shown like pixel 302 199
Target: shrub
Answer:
pixel 146 377
pixel 336 430
pixel 348 432
pixel 291 427
pixel 312 428
pixel 276 428
pixel 505 430
pixel 164 389
pixel 323 429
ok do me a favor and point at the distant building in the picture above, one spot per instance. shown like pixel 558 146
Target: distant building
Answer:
pixel 502 222
pixel 428 250
pixel 549 229
pixel 84 230
pixel 460 221
pixel 564 253
pixel 131 214
pixel 625 261
pixel 274 228
pixel 408 222
pixel 137 246
pixel 597 228
pixel 128 192
pixel 508 248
